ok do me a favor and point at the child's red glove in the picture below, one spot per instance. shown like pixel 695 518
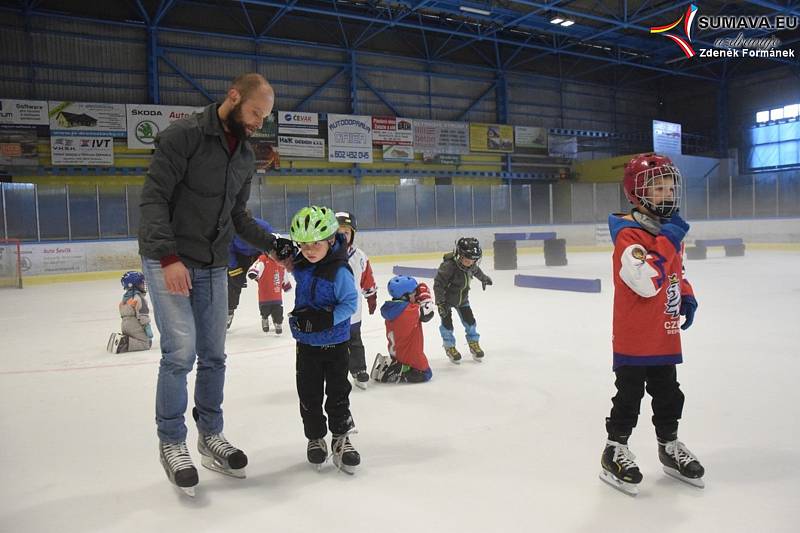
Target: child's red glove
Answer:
pixel 372 303
pixel 423 293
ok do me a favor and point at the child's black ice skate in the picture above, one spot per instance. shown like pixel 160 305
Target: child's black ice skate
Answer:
pixel 453 354
pixel 230 320
pixel 680 463
pixel 278 329
pixel 476 351
pixel 361 379
pixel 317 452
pixel 345 457
pixel 178 466
pixel 619 469
pixel 265 325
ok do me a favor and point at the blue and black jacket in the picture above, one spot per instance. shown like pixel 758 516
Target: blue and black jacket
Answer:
pixel 328 285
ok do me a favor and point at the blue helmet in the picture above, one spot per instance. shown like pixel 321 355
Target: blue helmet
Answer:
pixel 131 279
pixel 399 286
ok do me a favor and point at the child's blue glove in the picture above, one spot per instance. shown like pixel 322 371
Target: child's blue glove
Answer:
pixel 148 330
pixel 688 307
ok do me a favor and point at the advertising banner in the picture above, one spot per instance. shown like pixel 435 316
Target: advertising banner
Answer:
pixel 81 118
pixel 23 113
pixel 301 146
pixel 491 138
pixel 440 137
pixel 147 121
pixel 530 137
pixel 350 138
pixel 562 146
pixel 666 137
pixel 298 123
pixel 82 151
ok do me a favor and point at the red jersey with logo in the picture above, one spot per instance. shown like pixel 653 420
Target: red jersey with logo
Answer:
pixel 404 333
pixel 648 287
pixel 272 281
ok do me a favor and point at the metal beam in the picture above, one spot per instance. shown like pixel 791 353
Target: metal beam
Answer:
pixel 188 78
pixel 278 16
pixel 377 93
pixel 478 101
pixel 318 90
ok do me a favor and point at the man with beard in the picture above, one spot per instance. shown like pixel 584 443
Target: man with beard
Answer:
pixel 193 201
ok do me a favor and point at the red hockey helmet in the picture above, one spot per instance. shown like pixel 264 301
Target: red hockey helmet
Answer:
pixel 654 182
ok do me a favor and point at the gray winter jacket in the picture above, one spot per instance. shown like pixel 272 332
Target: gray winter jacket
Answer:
pixel 195 194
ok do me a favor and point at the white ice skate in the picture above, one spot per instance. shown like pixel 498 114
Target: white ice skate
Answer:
pixel 379 367
pixel 117 343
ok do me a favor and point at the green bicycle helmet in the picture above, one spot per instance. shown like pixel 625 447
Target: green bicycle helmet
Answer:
pixel 312 224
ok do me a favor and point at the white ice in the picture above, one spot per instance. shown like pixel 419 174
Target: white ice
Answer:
pixel 512 444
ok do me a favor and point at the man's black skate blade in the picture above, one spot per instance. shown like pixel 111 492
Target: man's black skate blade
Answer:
pixel 697 483
pixel 624 487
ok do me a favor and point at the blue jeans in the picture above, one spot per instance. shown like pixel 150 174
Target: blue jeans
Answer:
pixel 190 326
pixel 467 320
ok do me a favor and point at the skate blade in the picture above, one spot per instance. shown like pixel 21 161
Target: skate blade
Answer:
pixel 626 488
pixel 349 470
pixel 477 359
pixel 189 491
pixel 697 482
pixel 455 361
pixel 361 385
pixel 211 464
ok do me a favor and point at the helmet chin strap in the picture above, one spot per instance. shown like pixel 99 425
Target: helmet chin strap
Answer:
pixel 651 224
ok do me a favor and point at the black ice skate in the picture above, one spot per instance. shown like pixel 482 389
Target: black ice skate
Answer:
pixel 220 456
pixel 619 469
pixel 317 452
pixel 361 378
pixel 278 329
pixel 178 466
pixel 680 463
pixel 453 354
pixel 475 350
pixel 345 457
pixel 230 320
pixel 265 325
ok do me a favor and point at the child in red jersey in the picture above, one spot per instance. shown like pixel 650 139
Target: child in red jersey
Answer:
pixel 410 306
pixel 650 296
pixel 272 283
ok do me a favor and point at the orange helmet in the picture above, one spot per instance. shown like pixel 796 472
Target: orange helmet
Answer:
pixel 645 171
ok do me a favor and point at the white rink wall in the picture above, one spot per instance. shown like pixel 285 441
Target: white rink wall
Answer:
pixel 90 256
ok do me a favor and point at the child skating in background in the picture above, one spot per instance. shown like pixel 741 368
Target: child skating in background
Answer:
pixel 325 299
pixel 410 306
pixel 137 333
pixel 650 296
pixel 451 290
pixel 365 284
pixel 272 283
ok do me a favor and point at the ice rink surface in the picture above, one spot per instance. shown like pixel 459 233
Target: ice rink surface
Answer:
pixel 510 444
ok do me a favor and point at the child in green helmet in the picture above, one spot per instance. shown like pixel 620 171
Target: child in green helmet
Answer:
pixel 325 299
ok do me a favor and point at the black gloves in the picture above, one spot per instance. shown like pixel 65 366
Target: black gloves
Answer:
pixel 485 282
pixel 284 248
pixel 311 320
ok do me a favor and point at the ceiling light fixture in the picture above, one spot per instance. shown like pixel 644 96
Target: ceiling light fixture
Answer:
pixel 557 20
pixel 475 10
pixel 568 23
